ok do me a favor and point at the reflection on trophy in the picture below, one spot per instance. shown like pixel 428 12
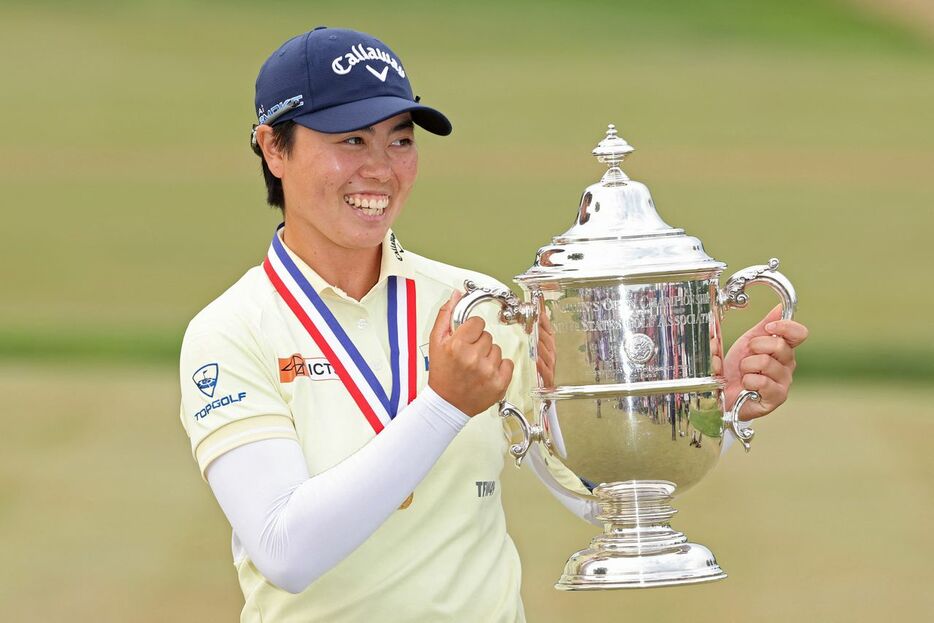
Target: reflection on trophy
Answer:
pixel 623 313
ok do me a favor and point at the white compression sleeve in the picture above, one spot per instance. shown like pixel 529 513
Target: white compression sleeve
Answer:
pixel 295 528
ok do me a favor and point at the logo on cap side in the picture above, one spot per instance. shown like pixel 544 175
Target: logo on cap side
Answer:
pixel 359 54
pixel 277 110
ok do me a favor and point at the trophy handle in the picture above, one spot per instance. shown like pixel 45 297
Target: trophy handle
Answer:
pixel 512 310
pixel 743 434
pixel 733 294
pixel 530 432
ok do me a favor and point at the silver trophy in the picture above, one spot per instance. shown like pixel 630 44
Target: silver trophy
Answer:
pixel 623 313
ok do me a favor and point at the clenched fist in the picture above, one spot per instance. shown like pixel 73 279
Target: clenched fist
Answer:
pixel 467 368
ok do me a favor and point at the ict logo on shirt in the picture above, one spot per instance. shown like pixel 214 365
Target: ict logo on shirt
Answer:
pixel 314 368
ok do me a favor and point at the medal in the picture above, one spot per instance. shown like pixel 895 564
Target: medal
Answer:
pixel 377 407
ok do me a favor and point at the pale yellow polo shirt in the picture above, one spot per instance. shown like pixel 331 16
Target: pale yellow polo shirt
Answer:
pixel 250 371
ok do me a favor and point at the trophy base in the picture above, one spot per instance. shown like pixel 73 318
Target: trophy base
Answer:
pixel 638 548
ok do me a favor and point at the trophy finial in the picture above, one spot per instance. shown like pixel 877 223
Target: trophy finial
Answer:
pixel 613 148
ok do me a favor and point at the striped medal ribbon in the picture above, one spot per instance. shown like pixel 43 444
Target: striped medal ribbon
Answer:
pixel 377 407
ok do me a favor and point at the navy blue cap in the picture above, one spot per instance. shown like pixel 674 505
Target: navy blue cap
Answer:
pixel 336 80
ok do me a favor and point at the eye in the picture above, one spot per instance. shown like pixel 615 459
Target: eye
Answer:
pixel 353 140
pixel 403 142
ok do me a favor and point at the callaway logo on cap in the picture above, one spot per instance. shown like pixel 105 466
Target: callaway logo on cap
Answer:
pixel 360 55
pixel 337 80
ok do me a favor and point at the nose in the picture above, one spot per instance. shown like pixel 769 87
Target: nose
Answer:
pixel 378 165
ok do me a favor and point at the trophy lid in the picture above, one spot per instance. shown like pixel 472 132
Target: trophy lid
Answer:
pixel 617 231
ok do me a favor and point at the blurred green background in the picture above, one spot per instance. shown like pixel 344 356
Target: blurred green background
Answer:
pixel 802 129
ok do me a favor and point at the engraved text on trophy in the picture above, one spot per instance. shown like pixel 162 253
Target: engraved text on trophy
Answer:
pixel 631 333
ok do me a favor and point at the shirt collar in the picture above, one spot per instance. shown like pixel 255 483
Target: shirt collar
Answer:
pixel 393 261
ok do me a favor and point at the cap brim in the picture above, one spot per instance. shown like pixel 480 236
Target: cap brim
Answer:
pixel 364 113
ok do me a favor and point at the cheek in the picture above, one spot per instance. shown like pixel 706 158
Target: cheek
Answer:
pixel 319 178
pixel 407 171
pixel 320 171
pixel 338 171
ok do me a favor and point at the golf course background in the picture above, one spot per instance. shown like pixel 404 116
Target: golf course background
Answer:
pixel 797 129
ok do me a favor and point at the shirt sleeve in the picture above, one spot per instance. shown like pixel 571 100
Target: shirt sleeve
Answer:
pixel 295 527
pixel 230 395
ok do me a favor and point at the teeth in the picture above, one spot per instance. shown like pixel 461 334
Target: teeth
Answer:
pixel 370 205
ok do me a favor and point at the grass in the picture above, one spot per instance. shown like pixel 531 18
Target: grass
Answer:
pixel 132 347
pixel 101 505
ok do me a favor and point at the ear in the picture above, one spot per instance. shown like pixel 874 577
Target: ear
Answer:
pixel 273 156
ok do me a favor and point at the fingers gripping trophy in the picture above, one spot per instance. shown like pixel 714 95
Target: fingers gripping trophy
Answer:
pixel 623 314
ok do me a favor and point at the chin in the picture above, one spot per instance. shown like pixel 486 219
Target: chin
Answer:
pixel 368 239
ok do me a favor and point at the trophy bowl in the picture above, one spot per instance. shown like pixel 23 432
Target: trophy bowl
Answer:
pixel 623 316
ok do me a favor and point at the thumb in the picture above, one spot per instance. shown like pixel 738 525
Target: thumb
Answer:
pixel 775 314
pixel 442 326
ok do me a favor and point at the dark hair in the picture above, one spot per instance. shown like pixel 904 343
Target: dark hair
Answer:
pixel 283 137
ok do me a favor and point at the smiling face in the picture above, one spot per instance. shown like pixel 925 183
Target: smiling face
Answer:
pixel 343 191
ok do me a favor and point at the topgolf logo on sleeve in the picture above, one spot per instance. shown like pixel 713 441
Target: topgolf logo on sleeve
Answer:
pixel 205 379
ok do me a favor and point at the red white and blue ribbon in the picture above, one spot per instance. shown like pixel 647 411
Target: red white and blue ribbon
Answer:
pixel 309 308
